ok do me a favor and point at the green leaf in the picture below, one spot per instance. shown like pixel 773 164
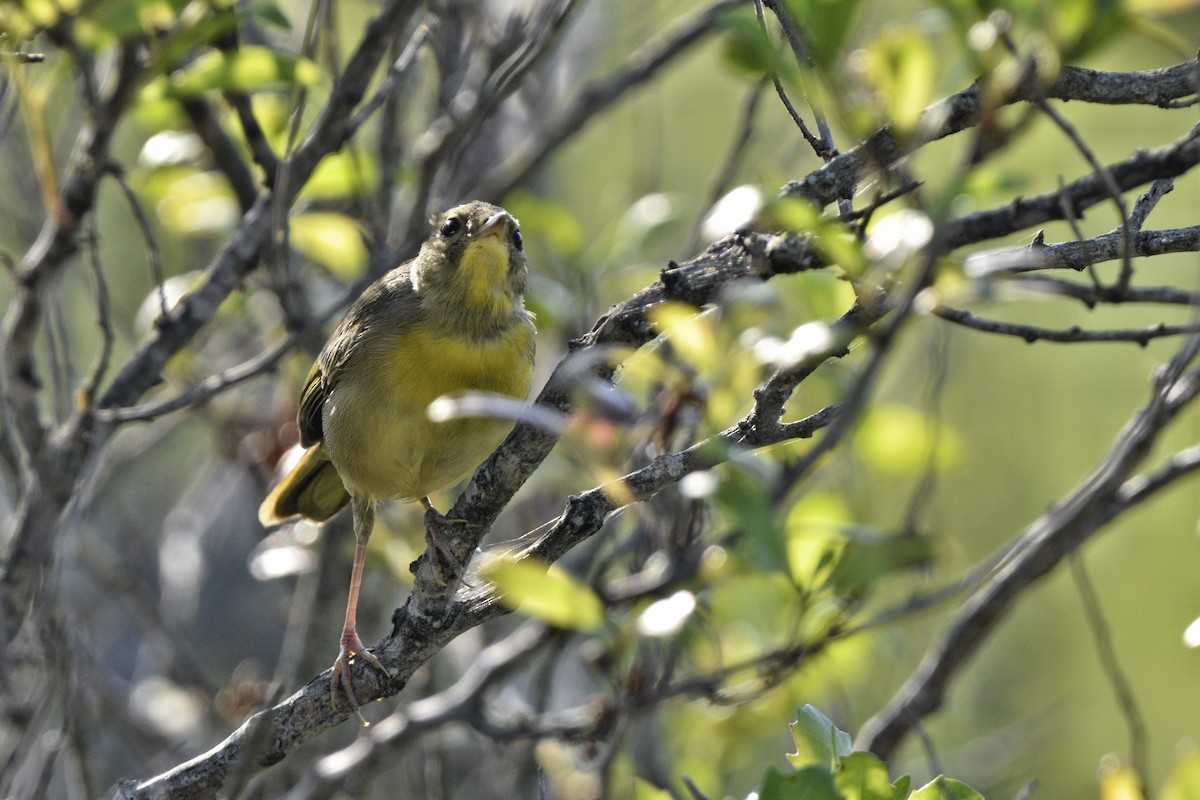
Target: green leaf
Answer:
pixel 689 331
pixel 862 563
pixel 545 592
pixel 333 240
pixel 743 496
pixel 1183 782
pixel 809 783
pixel 194 202
pixel 814 535
pixel 645 790
pixel 826 26
pixel 1084 26
pixel 748 47
pixel 902 442
pixel 943 788
pixel 545 223
pixel 269 13
pixel 248 69
pixel 836 243
pixel 903 67
pixel 864 777
pixel 341 175
pixel 818 741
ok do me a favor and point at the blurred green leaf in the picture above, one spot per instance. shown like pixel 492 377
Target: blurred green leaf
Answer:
pixel 268 12
pixel 743 496
pixel 248 69
pixel 987 182
pixel 862 563
pixel 333 240
pixel 899 441
pixel 864 777
pixel 1084 26
pixel 818 741
pixel 943 788
pixel 814 534
pixel 826 25
pixel 192 202
pixel 545 592
pixel 340 175
pixel 645 790
pixel 127 18
pixel 748 47
pixel 903 67
pixel 1119 781
pixel 809 783
pixel 689 331
pixel 1183 781
pixel 546 223
pixel 833 240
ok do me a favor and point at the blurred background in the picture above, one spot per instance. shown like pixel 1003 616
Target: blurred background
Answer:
pixel 179 614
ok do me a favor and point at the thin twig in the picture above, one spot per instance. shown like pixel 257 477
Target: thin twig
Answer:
pixel 1072 335
pixel 594 98
pixel 153 256
pixel 1107 653
pixel 1095 502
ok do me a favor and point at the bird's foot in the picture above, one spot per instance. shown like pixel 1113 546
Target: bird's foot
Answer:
pixel 447 565
pixel 341 679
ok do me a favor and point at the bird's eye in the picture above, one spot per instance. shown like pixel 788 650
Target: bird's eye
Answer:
pixel 518 242
pixel 451 227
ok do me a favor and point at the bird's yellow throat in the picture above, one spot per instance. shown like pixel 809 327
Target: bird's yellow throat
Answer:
pixel 484 270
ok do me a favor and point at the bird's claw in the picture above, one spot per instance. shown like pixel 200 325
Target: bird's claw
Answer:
pixel 341 678
pixel 444 560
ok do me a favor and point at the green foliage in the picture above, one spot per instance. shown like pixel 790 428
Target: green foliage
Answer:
pixel 547 593
pixel 248 69
pixel 828 769
pixel 818 741
pixel 807 783
pixel 864 777
pixel 942 788
pixel 828 24
pixel 546 224
pixel 748 47
pixel 902 66
pixel 333 240
pixel 899 441
pixel 1183 782
pixel 342 175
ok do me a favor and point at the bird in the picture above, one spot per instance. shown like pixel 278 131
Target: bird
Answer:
pixel 451 320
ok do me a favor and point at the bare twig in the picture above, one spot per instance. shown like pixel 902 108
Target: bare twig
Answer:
pixel 1072 335
pixel 842 176
pixel 1080 515
pixel 1107 653
pixel 596 97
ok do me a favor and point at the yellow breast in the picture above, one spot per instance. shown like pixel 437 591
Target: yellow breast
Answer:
pixel 376 427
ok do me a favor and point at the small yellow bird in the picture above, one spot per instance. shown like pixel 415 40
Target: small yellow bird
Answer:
pixel 451 320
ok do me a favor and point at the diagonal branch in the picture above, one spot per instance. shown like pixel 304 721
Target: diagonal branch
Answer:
pixel 841 177
pixel 434 613
pixel 1111 490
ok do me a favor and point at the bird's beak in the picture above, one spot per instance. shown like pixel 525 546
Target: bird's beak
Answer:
pixel 495 225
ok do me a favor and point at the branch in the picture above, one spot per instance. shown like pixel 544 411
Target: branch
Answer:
pixel 435 614
pixel 1072 335
pixel 1144 166
pixel 841 177
pixel 1077 255
pixel 597 96
pixel 1108 492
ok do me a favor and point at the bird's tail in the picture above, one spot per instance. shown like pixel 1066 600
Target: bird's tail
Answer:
pixel 313 490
